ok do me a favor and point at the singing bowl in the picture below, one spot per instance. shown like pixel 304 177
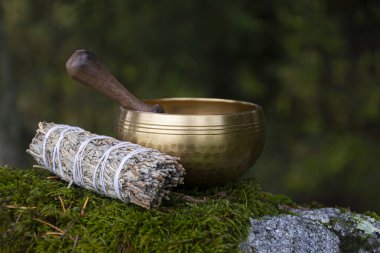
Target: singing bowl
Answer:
pixel 217 140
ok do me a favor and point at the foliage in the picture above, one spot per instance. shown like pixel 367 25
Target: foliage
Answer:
pixel 30 201
pixel 312 65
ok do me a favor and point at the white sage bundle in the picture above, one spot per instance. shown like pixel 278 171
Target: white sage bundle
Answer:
pixel 118 169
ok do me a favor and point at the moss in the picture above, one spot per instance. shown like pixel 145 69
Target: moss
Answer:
pixel 30 204
pixel 373 215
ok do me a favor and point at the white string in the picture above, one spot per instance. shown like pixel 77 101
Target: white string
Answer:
pixel 121 165
pixel 77 172
pixel 56 150
pixel 44 160
pixel 102 163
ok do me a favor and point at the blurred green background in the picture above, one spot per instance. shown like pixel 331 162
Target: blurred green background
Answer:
pixel 313 65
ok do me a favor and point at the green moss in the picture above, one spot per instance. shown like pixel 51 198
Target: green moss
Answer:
pixel 373 215
pixel 28 199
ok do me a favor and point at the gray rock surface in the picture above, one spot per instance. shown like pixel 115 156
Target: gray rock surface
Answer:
pixel 320 230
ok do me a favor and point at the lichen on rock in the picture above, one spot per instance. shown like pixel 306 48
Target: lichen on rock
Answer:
pixel 319 230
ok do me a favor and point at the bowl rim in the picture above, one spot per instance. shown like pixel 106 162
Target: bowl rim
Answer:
pixel 255 116
pixel 256 107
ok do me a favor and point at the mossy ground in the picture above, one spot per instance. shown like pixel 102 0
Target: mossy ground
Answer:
pixel 31 204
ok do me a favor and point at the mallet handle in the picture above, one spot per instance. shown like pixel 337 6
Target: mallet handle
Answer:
pixel 84 67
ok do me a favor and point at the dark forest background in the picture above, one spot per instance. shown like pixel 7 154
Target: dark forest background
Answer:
pixel 313 65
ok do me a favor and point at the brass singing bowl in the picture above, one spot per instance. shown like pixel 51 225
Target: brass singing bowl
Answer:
pixel 217 140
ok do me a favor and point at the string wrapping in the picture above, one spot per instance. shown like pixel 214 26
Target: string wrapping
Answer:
pixel 123 170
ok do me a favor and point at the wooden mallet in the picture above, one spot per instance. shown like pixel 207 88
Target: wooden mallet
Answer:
pixel 84 67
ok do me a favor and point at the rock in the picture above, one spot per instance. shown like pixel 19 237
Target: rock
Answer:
pixel 289 233
pixel 319 230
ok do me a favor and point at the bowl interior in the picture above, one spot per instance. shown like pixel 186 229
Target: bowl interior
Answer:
pixel 201 106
